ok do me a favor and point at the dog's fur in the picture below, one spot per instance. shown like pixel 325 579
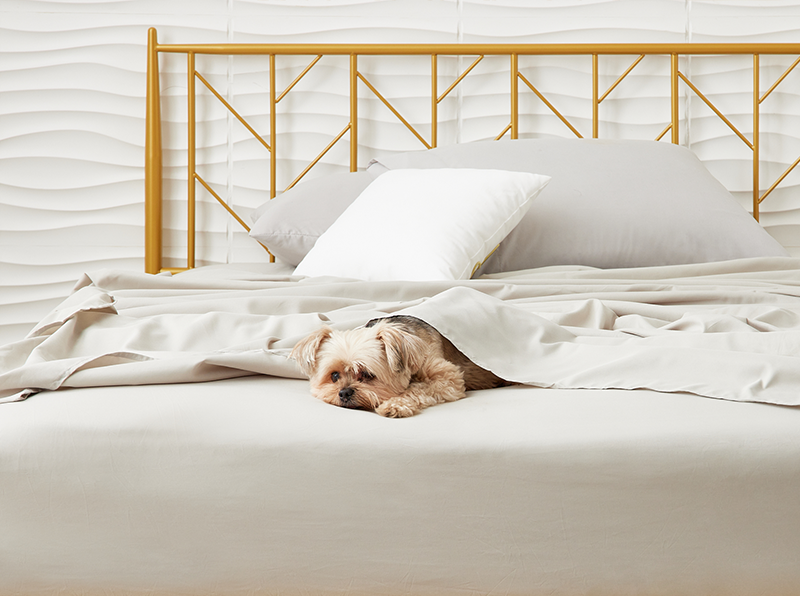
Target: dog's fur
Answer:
pixel 395 366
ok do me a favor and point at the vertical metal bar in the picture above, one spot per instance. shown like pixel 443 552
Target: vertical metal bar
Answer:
pixel 434 100
pixel 192 160
pixel 353 112
pixel 595 101
pixel 273 133
pixel 674 99
pixel 756 156
pixel 514 96
pixel 153 161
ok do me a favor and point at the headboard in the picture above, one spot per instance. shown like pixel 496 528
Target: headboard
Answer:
pixel 474 53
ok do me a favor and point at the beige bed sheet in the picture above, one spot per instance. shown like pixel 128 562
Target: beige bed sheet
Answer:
pixel 726 330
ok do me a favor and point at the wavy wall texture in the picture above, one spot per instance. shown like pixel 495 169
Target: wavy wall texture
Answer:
pixel 72 84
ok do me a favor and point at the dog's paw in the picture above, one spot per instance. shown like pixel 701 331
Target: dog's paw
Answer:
pixel 395 410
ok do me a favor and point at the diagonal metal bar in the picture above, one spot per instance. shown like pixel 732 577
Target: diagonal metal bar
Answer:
pixel 502 134
pixel 297 79
pixel 619 80
pixel 394 111
pixel 779 81
pixel 227 207
pixel 549 105
pixel 458 80
pixel 715 110
pixel 779 180
pixel 232 110
pixel 663 132
pixel 320 156
pixel 221 202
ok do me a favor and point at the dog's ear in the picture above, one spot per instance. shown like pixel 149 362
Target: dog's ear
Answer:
pixel 404 350
pixel 305 351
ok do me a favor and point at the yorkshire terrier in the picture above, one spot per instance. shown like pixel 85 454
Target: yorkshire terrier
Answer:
pixel 395 366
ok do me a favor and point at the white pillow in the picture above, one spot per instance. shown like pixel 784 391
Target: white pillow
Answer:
pixel 423 224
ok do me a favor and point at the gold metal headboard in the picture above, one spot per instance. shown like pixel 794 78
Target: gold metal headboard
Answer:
pixel 153 166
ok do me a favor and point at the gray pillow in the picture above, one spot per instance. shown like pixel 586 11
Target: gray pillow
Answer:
pixel 610 203
pixel 290 224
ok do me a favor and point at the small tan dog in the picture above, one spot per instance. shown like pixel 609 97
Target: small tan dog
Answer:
pixel 395 366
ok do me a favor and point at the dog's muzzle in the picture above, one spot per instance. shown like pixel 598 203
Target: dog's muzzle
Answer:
pixel 346 396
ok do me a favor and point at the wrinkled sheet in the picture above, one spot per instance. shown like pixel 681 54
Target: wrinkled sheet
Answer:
pixel 726 330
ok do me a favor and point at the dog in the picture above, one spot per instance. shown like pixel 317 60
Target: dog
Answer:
pixel 395 366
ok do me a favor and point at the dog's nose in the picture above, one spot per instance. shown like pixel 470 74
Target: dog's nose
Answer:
pixel 346 394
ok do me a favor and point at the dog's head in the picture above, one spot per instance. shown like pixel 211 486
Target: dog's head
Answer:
pixel 359 368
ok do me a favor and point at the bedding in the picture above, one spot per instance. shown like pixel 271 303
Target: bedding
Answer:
pixel 724 330
pixel 247 484
pixel 610 204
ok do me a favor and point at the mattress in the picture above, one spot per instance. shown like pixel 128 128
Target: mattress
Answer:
pixel 245 484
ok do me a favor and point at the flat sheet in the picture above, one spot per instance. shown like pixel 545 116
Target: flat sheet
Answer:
pixel 726 330
pixel 252 486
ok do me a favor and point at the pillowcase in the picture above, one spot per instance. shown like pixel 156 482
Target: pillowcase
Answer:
pixel 423 225
pixel 290 224
pixel 611 203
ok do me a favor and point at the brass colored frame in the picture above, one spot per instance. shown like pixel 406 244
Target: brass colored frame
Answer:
pixel 153 165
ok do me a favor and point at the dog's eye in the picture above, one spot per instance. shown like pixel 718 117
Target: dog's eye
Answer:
pixel 334 376
pixel 364 376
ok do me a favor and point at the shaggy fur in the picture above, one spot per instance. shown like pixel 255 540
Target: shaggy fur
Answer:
pixel 394 366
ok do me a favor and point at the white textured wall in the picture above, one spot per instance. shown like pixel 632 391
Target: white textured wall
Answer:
pixel 72 87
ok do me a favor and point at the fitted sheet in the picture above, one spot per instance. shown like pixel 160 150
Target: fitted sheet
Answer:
pixel 251 486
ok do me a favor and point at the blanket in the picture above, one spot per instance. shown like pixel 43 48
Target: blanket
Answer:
pixel 728 330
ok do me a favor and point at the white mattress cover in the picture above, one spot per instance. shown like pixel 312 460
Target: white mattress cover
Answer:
pixel 251 486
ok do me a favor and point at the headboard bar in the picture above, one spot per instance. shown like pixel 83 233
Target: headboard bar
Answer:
pixel 153 166
pixel 486 49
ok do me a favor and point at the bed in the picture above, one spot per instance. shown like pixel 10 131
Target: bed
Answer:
pixel 155 436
